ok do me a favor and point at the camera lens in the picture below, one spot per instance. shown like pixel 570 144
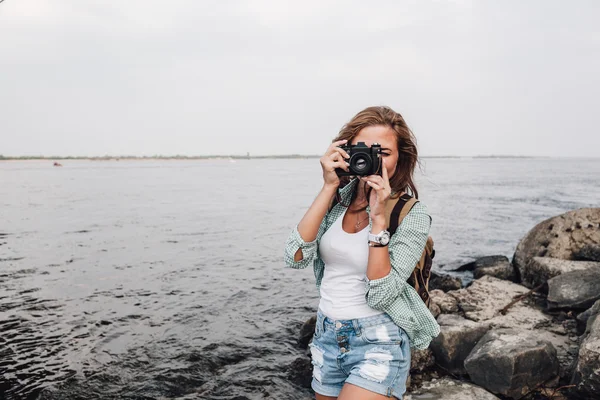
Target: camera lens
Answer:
pixel 360 164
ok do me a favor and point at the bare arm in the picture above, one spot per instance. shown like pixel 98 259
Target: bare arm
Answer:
pixel 304 235
pixel 309 224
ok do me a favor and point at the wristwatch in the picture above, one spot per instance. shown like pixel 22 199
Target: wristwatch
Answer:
pixel 379 240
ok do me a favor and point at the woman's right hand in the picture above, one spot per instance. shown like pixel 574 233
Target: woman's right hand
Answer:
pixel 334 158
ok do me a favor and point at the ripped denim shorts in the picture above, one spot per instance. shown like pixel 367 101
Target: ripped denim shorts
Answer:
pixel 371 352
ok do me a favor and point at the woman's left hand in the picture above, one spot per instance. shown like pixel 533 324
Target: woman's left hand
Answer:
pixel 380 194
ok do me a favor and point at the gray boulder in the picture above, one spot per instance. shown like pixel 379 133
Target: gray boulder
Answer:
pixel 586 376
pixel 420 360
pixel 307 331
pixel 496 266
pixel 589 252
pixel 445 303
pixel 455 342
pixel 558 237
pixel 541 269
pixel 449 389
pixel 583 318
pixel 444 282
pixel 575 289
pixel 483 262
pixel 512 362
pixel 482 301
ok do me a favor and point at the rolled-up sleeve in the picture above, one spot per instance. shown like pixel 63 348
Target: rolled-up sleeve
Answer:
pixel 406 247
pixel 295 242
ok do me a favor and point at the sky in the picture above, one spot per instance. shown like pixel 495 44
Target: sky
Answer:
pixel 194 77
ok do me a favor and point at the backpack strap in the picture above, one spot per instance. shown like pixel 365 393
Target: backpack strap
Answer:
pixel 400 206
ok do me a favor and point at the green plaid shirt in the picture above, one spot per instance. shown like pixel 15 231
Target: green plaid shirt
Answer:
pixel 391 294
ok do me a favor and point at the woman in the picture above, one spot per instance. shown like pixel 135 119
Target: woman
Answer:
pixel 369 316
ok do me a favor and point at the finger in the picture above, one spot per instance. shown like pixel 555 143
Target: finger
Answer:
pixel 335 145
pixel 374 178
pixel 339 154
pixel 341 164
pixel 342 152
pixel 374 185
pixel 384 173
pixel 386 179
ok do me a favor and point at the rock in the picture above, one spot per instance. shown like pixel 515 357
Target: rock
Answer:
pixel 486 296
pixel 300 371
pixel 501 271
pixel 483 262
pixel 434 309
pixel 446 303
pixel 587 370
pixel 307 331
pixel 449 389
pixel 575 289
pixel 444 282
pixel 497 266
pixel 540 269
pixel 512 362
pixel 558 237
pixel 589 252
pixel 420 360
pixel 457 338
pixel 583 318
pixel 482 301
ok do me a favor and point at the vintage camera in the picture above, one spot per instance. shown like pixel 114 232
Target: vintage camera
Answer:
pixel 364 160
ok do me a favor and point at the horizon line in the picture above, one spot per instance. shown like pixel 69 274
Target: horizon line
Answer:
pixel 236 156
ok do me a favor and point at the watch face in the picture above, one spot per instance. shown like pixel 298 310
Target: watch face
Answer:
pixel 385 238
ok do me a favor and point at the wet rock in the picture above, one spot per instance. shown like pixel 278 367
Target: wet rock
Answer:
pixel 583 318
pixel 575 289
pixel 482 262
pixel 456 340
pixel 444 282
pixel 420 360
pixel 502 270
pixel 483 300
pixel 512 362
pixel 300 372
pixel 586 376
pixel 446 303
pixel 541 269
pixel 449 389
pixel 434 309
pixel 589 252
pixel 307 331
pixel 558 237
pixel 497 266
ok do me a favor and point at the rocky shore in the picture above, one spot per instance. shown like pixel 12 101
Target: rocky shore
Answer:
pixel 525 328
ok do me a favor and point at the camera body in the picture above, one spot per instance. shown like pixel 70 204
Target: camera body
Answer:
pixel 364 160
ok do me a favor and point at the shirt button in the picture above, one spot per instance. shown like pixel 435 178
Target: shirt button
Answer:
pixel 338 324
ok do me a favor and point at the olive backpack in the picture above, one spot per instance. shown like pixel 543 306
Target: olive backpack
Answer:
pixel 397 207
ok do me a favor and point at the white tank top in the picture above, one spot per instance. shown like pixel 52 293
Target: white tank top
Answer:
pixel 343 287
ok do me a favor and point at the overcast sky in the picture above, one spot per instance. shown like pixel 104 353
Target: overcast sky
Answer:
pixel 96 77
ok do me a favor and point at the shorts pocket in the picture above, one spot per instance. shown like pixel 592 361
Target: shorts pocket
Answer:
pixel 385 333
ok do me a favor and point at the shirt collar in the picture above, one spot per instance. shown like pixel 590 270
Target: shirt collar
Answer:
pixel 346 192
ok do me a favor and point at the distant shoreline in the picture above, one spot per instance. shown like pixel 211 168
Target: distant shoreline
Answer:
pixel 218 157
